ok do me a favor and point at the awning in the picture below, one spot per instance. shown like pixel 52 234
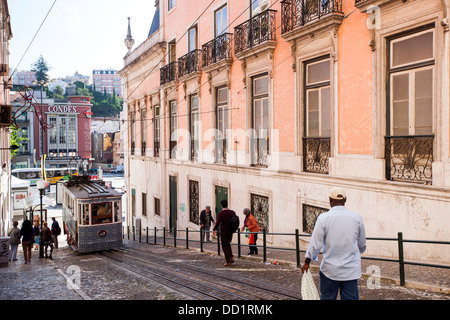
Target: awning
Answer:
pixel 34 200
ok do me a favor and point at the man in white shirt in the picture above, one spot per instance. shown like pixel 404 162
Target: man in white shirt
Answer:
pixel 342 236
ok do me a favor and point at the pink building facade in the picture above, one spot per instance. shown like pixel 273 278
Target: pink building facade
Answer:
pixel 67 131
pixel 270 104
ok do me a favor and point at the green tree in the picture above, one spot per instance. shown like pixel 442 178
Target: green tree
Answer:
pixel 41 68
pixel 16 140
pixel 58 92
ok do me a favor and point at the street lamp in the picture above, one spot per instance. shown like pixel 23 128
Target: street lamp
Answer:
pixel 41 187
pixel 42 83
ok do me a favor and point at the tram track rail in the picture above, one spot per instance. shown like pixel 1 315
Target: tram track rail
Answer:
pixel 247 290
pixel 194 288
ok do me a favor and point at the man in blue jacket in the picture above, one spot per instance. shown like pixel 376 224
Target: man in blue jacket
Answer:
pixel 342 236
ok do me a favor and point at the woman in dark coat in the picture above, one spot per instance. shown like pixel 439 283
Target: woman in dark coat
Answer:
pixel 27 235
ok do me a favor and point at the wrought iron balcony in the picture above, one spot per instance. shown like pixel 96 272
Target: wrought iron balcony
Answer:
pixel 169 73
pixel 173 149
pixel 143 148
pixel 189 63
pixel 217 50
pixel 194 149
pixel 133 147
pixel 156 148
pixel 297 13
pixel 259 151
pixel 221 150
pixel 409 158
pixel 316 154
pixel 253 32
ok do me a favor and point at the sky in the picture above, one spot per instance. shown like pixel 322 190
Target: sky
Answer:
pixel 78 35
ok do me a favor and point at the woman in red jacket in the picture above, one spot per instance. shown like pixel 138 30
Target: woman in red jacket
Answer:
pixel 252 226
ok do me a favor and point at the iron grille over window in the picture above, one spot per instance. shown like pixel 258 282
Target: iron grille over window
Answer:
pixel 410 158
pixel 316 154
pixel 310 214
pixel 260 209
pixel 194 202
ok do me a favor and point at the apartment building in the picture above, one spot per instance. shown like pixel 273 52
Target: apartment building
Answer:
pixel 5 121
pixel 270 104
pixel 24 78
pixel 107 81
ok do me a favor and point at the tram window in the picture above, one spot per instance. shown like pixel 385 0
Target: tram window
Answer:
pixel 117 211
pixel 102 213
pixel 85 214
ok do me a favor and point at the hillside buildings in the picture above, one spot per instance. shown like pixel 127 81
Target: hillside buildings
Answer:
pixel 108 81
pixel 270 104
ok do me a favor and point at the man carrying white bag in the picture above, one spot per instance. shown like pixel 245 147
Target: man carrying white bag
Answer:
pixel 342 236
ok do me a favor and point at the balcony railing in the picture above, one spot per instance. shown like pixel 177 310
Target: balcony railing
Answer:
pixel 295 13
pixel 169 73
pixel 195 145
pixel 189 63
pixel 143 148
pixel 221 150
pixel 133 147
pixel 156 148
pixel 259 29
pixel 173 149
pixel 316 154
pixel 409 158
pixel 259 151
pixel 217 50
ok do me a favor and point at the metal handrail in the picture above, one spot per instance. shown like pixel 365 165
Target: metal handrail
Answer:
pixel 400 241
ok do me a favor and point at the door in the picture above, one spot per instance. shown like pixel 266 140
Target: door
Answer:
pixel 221 194
pixel 173 202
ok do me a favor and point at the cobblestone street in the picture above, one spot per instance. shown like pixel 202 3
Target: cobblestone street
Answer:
pixel 99 277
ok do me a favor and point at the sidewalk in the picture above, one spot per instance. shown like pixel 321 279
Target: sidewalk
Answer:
pixel 37 280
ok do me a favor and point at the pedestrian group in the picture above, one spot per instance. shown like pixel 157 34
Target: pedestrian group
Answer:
pixel 33 236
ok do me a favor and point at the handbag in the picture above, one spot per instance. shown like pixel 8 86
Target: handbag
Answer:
pixel 251 239
pixel 309 289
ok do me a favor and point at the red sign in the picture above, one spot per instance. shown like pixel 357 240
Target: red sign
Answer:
pixel 102 233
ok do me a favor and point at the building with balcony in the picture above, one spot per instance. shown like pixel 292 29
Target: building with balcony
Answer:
pixel 5 122
pixel 270 104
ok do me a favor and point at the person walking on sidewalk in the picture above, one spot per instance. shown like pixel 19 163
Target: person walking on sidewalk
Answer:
pixel 342 236
pixel 14 241
pixel 47 239
pixel 226 235
pixel 252 226
pixel 27 235
pixel 205 222
pixel 56 231
pixel 36 235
